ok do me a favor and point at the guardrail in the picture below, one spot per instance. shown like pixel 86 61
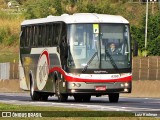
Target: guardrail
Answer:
pixel 9 71
pixel 4 70
pixel 146 68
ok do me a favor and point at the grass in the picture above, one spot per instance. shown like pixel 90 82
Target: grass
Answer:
pixel 9 53
pixel 49 113
pixel 9 36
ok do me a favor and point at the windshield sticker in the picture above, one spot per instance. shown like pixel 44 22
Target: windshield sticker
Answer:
pixel 95 28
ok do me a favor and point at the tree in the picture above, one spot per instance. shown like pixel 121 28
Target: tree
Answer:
pixel 42 8
pixel 95 6
pixel 154 47
pixel 21 1
pixel 153 35
pixel 138 35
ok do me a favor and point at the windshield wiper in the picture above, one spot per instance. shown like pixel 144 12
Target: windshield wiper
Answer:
pixel 85 67
pixel 112 61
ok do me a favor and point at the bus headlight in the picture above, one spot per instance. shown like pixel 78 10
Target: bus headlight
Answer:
pixel 125 90
pixel 126 84
pixel 72 90
pixel 76 84
pixel 122 85
pixel 73 84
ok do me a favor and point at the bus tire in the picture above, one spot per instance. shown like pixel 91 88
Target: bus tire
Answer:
pixel 77 98
pixel 86 98
pixel 44 97
pixel 113 98
pixel 34 95
pixel 61 97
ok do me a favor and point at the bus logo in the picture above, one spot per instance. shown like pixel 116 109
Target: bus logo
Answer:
pixel 42 70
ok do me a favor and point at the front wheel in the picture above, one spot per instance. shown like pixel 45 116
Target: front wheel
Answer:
pixel 114 97
pixel 61 97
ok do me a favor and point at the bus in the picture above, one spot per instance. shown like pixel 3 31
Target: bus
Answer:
pixel 68 55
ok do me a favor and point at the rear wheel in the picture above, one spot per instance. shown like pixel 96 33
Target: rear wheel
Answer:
pixel 34 95
pixel 114 97
pixel 44 97
pixel 61 97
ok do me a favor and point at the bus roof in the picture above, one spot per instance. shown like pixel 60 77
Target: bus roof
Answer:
pixel 79 18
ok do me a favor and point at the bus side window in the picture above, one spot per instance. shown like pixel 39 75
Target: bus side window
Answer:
pixel 27 37
pixel 57 33
pixel 39 35
pixel 43 33
pixel 53 34
pixel 36 36
pixel 22 37
pixel 31 42
pixel 49 33
pixel 46 36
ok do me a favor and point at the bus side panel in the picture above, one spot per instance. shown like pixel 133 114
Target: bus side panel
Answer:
pixel 54 62
pixel 29 63
pixel 22 78
pixel 28 66
pixel 42 82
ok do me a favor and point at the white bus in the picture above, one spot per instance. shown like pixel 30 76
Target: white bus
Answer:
pixel 69 55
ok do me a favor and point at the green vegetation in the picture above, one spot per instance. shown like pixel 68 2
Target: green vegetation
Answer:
pixel 10 18
pixel 9 28
pixel 42 8
pixel 153 39
pixel 10 107
pixel 68 113
pixel 9 53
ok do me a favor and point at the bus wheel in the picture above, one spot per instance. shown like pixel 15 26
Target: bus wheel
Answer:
pixel 61 97
pixel 44 97
pixel 78 98
pixel 86 98
pixel 34 95
pixel 114 97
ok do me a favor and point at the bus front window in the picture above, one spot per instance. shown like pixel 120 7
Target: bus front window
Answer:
pixel 83 43
pixel 89 46
pixel 115 46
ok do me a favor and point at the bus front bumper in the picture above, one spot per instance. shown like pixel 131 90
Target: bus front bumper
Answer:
pixel 98 88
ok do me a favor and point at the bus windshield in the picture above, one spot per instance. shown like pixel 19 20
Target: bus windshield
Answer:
pixel 99 46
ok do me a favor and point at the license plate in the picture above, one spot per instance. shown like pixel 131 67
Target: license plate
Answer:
pixel 100 88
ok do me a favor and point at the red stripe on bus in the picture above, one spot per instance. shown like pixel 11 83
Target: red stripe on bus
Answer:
pixel 45 52
pixel 73 79
pixel 76 79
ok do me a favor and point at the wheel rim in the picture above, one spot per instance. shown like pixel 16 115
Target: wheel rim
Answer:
pixel 32 89
pixel 61 97
pixel 57 89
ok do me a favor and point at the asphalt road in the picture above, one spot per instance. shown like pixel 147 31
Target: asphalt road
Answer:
pixel 96 103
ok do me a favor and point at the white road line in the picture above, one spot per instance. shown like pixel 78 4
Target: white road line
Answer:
pixel 139 102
